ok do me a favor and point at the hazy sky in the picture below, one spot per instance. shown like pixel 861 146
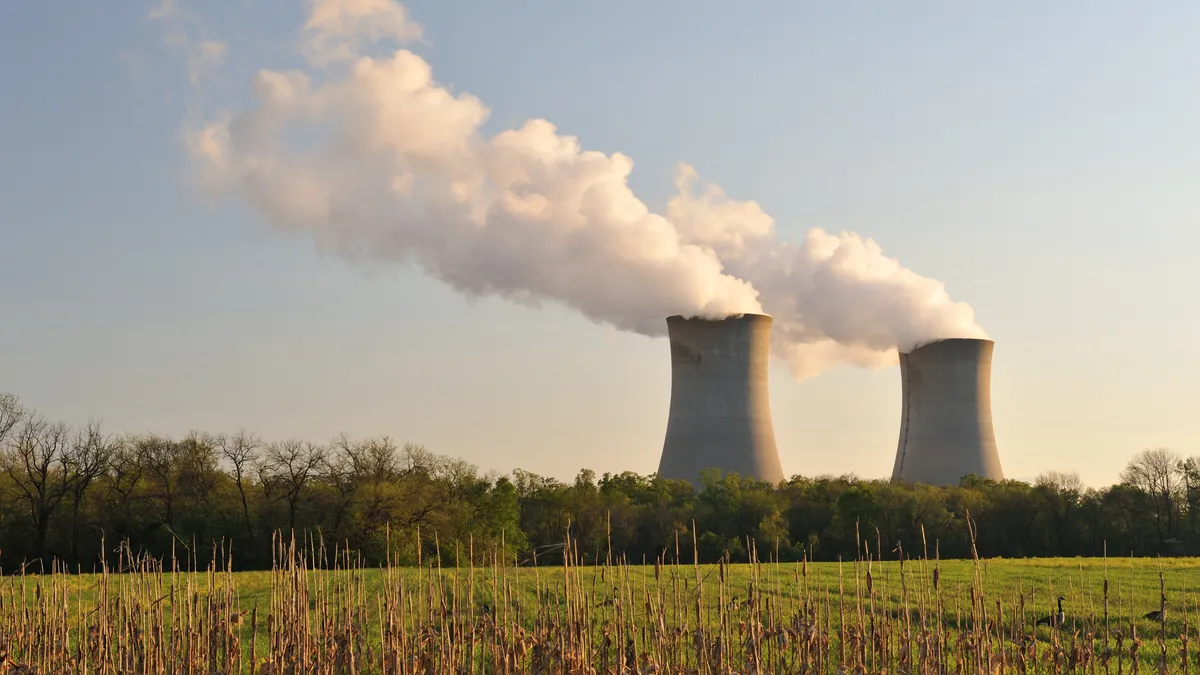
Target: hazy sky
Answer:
pixel 1040 159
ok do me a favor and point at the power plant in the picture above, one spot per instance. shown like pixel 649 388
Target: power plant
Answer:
pixel 946 419
pixel 720 415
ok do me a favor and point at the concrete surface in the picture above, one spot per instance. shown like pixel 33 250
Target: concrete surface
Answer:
pixel 946 422
pixel 720 415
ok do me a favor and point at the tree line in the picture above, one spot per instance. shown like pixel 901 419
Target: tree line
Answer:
pixel 74 494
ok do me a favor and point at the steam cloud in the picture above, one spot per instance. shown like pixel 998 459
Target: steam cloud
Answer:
pixel 374 159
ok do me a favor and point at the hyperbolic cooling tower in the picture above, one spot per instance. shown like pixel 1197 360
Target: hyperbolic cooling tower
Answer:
pixel 720 407
pixel 946 420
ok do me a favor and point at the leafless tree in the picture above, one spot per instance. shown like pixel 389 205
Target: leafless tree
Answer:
pixel 1063 495
pixel 287 468
pixel 125 475
pixel 89 458
pixel 1064 482
pixel 11 414
pixel 427 481
pixel 1157 474
pixel 341 472
pixel 372 483
pixel 241 450
pixel 416 459
pixel 37 462
pixel 377 460
pixel 158 459
pixel 198 468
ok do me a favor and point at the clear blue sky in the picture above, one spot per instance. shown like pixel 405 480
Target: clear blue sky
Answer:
pixel 1039 158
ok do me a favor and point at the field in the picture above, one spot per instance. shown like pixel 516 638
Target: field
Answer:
pixel 867 616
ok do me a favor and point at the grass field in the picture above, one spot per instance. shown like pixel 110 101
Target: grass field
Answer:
pixel 864 616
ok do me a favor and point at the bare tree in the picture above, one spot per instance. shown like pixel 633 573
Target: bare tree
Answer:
pixel 158 458
pixel 342 474
pixel 377 460
pixel 1064 482
pixel 125 476
pixel 241 450
pixel 90 455
pixel 415 458
pixel 37 463
pixel 11 414
pixel 1158 476
pixel 199 468
pixel 429 484
pixel 371 482
pixel 287 468
pixel 1063 495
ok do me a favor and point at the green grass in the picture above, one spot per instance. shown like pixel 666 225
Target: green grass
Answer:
pixel 1133 583
pixel 846 596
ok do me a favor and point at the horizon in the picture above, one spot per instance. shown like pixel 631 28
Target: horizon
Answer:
pixel 1037 161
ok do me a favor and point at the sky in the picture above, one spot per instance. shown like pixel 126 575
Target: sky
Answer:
pixel 1040 160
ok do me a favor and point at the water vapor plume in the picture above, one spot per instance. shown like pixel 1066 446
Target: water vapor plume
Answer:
pixel 368 154
pixel 835 298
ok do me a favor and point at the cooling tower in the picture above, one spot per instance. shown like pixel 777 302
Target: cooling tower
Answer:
pixel 946 420
pixel 720 408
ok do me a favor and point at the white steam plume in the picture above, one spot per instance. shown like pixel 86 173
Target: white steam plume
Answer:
pixel 835 298
pixel 374 159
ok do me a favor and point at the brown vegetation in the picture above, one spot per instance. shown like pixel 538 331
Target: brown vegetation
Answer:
pixel 325 613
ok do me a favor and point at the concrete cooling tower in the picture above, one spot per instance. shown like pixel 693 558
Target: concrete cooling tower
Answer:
pixel 720 407
pixel 946 420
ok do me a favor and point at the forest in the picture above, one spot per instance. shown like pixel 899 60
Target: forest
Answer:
pixel 77 494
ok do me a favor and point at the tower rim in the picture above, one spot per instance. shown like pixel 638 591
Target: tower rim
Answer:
pixel 947 341
pixel 753 316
